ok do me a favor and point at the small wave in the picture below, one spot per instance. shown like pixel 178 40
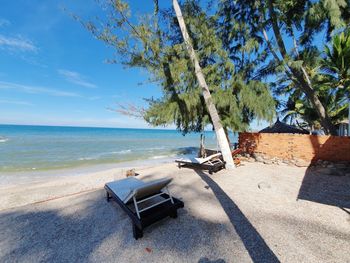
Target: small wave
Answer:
pixel 3 139
pixel 120 152
pixel 155 148
pixel 98 156
pixel 159 156
pixel 163 156
pixel 85 158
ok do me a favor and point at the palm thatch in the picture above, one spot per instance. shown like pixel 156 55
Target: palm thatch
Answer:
pixel 281 127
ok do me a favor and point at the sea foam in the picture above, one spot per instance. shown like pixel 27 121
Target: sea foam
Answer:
pixel 3 139
pixel 121 152
pixel 100 155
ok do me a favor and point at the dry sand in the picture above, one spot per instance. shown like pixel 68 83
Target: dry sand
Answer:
pixel 257 213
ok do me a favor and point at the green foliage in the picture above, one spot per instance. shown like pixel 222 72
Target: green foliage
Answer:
pixel 287 31
pixel 154 42
pixel 336 71
pixel 337 62
pixel 331 75
pixel 240 45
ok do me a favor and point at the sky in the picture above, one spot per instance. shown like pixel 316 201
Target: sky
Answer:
pixel 53 72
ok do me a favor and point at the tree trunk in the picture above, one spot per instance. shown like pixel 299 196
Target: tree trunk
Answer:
pixel 227 136
pixel 301 76
pixel 321 111
pixel 349 118
pixel 219 130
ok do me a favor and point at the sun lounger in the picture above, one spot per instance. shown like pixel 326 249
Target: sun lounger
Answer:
pixel 144 202
pixel 212 163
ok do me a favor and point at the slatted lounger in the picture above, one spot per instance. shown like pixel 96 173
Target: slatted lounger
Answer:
pixel 212 163
pixel 144 202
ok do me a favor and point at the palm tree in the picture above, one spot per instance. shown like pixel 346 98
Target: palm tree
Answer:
pixel 337 68
pixel 219 130
pixel 337 62
pixel 331 78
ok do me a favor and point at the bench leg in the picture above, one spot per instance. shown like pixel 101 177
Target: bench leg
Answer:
pixel 173 214
pixel 108 197
pixel 137 233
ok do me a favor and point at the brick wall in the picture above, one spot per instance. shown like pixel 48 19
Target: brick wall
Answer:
pixel 297 146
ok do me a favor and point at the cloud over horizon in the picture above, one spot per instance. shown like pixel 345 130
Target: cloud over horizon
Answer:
pixel 18 43
pixel 36 90
pixel 76 78
pixel 15 102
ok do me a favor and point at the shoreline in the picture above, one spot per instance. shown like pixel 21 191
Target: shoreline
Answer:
pixel 45 150
pixel 11 179
pixel 95 162
pixel 39 189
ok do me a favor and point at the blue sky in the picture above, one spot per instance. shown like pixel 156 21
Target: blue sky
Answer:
pixel 53 72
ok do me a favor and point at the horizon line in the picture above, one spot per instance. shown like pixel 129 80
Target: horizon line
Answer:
pixel 102 127
pixel 72 126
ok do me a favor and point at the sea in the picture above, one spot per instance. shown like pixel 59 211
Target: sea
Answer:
pixel 25 148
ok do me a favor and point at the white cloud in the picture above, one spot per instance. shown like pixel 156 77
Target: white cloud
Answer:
pixel 95 98
pixel 33 60
pixel 15 102
pixel 36 90
pixel 17 44
pixel 76 78
pixel 4 22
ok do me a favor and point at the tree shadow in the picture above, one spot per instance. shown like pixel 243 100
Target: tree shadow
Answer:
pixel 206 260
pixel 29 235
pixel 327 185
pixel 86 228
pixel 254 243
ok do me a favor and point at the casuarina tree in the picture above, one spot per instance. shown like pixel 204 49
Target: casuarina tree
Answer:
pixel 154 42
pixel 219 130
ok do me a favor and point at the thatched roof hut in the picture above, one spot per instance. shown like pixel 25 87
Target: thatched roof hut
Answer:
pixel 281 127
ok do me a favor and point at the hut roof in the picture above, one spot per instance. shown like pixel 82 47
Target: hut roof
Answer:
pixel 281 127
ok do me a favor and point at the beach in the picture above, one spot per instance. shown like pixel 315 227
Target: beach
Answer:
pixel 47 186
pixel 176 131
pixel 255 213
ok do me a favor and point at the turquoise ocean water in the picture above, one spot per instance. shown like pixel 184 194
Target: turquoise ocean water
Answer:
pixel 31 148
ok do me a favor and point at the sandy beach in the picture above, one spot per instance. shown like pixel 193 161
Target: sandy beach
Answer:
pixel 30 187
pixel 234 115
pixel 252 214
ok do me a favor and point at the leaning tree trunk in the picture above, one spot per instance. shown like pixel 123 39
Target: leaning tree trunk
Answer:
pixel 219 130
pixel 349 118
pixel 301 76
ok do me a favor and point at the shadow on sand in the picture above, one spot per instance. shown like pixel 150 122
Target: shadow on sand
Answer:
pixel 85 228
pixel 257 248
pixel 327 185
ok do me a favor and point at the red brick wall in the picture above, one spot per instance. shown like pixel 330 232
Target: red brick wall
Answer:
pixel 297 146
